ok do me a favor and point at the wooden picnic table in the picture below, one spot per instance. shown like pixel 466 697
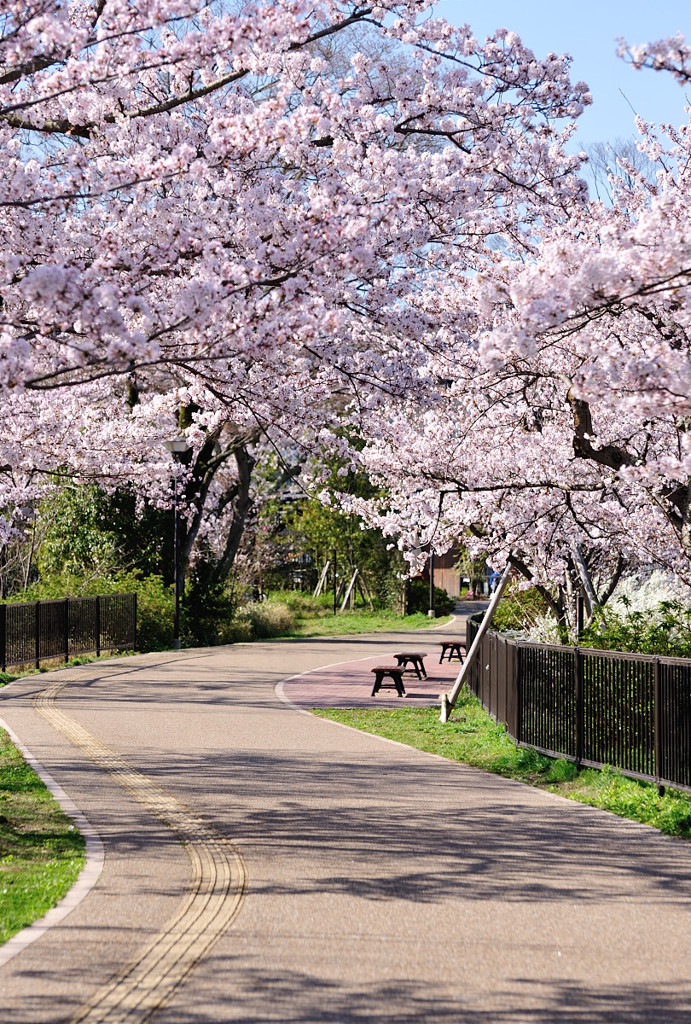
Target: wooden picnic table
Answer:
pixel 413 658
pixel 451 649
pixel 394 672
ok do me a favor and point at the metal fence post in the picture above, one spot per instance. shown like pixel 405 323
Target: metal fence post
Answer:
pixel 518 692
pixel 67 628
pixel 98 627
pixel 37 631
pixel 134 624
pixel 3 635
pixel 657 725
pixel 578 695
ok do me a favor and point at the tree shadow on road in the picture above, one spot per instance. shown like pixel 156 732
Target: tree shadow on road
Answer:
pixel 297 997
pixel 413 827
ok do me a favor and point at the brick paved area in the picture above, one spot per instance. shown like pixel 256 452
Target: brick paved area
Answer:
pixel 349 684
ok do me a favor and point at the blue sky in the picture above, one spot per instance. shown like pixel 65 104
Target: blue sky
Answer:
pixel 588 31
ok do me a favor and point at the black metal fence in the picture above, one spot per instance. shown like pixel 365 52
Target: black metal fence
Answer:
pixel 630 711
pixel 41 630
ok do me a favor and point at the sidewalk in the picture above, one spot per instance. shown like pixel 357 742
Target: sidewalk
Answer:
pixel 371 882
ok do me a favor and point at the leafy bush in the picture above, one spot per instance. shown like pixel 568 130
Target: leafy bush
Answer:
pixel 519 610
pixel 663 630
pixel 154 600
pixel 266 619
pixel 418 599
pixel 155 608
pixel 207 610
pixel 237 631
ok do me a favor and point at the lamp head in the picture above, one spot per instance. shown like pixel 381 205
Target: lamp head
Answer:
pixel 177 446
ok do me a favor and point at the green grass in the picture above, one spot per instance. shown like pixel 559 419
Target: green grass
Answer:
pixel 362 622
pixel 472 737
pixel 292 613
pixel 41 850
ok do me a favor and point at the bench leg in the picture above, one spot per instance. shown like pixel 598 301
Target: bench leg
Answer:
pixel 396 681
pixel 416 666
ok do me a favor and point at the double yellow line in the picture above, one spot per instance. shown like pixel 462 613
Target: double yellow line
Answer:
pixel 216 890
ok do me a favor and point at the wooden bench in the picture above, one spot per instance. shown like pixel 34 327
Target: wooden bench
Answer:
pixel 450 649
pixel 415 659
pixel 394 672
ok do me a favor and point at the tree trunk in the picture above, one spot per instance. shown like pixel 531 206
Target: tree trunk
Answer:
pixel 243 506
pixel 195 493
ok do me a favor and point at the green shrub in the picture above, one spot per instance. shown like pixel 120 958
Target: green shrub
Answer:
pixel 519 609
pixel 207 610
pixel 418 599
pixel 155 610
pixel 237 631
pixel 154 600
pixel 266 619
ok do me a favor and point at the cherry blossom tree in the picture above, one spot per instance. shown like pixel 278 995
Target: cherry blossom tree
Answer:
pixel 196 202
pixel 188 190
pixel 561 439
pixel 604 311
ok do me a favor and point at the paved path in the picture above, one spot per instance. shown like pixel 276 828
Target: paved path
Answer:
pixel 265 865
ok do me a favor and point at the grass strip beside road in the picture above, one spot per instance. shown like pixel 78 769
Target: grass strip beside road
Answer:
pixel 364 622
pixel 472 737
pixel 41 850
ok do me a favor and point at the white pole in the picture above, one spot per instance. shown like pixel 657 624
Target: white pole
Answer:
pixel 350 587
pixel 364 590
pixel 449 699
pixel 322 580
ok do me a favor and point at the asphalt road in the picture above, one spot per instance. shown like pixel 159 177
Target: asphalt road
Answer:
pixel 265 865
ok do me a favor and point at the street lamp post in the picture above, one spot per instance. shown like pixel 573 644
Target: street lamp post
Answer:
pixel 431 612
pixel 177 448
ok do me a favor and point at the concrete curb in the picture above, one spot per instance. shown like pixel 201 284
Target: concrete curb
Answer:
pixel 90 872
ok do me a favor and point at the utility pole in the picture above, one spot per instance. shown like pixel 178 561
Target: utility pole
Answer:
pixel 177 448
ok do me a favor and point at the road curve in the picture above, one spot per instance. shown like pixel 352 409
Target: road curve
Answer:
pixel 215 888
pixel 266 865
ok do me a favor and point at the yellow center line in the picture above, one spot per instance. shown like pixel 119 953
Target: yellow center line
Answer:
pixel 215 894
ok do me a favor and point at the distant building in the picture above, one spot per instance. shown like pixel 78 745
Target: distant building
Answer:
pixel 447 576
